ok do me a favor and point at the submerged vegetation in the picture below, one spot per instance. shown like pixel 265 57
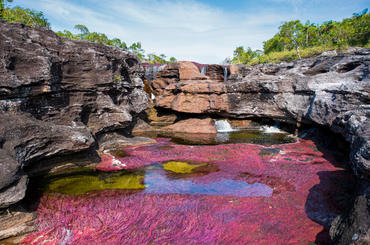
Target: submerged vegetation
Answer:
pixel 296 40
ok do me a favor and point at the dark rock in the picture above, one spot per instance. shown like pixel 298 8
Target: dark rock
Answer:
pixel 14 192
pixel 353 226
pixel 56 97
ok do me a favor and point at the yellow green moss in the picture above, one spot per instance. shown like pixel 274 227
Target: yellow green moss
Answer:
pixel 82 182
pixel 181 167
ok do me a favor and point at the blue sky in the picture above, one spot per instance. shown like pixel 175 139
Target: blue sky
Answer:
pixel 205 31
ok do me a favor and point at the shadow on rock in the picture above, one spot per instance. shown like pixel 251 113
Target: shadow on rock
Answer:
pixel 328 199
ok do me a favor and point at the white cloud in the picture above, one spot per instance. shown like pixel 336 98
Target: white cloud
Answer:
pixel 187 30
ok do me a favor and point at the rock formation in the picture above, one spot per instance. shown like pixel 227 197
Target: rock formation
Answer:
pixel 331 91
pixel 57 96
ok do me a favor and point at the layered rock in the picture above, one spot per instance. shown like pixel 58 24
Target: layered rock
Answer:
pixel 311 90
pixel 174 73
pixel 56 97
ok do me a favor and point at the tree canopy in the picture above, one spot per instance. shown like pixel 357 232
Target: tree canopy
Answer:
pixel 27 16
pixel 293 35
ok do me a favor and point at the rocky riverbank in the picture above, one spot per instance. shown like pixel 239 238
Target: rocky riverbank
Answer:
pixel 60 100
pixel 327 91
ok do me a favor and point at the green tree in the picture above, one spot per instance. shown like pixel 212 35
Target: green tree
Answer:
pixel 242 56
pixel 23 15
pixel 292 31
pixel 137 49
pixel 96 37
pixel 308 28
pixel 2 7
pixel 173 60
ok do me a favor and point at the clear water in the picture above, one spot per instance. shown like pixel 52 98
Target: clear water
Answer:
pixel 234 137
pixel 153 179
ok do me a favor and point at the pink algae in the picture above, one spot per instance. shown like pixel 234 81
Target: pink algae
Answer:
pixel 306 184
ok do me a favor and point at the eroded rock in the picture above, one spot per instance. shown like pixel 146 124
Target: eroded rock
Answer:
pixel 56 96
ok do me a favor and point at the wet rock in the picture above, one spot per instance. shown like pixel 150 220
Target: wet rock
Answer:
pixel 353 227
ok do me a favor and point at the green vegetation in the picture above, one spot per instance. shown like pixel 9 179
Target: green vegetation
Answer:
pixel 296 40
pixel 80 181
pixel 23 15
pixel 161 59
pixel 181 167
pixel 95 37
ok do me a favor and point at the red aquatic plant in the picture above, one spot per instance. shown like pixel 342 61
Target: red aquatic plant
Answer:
pixel 305 186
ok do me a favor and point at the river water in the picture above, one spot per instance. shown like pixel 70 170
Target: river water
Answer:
pixel 175 193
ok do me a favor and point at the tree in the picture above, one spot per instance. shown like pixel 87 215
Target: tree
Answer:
pixel 2 7
pixel 291 30
pixel 96 37
pixel 308 28
pixel 137 49
pixel 242 56
pixel 23 15
pixel 173 60
pixel 226 61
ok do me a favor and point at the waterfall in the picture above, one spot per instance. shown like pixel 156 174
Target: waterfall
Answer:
pixel 272 129
pixel 223 126
pixel 152 70
pixel 225 74
pixel 203 70
pixel 156 69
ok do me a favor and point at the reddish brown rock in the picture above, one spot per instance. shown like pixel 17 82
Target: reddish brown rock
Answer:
pixel 193 126
pixel 195 97
pixel 215 72
pixel 188 71
pixel 174 73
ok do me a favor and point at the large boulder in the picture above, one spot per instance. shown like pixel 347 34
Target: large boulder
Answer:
pixel 56 97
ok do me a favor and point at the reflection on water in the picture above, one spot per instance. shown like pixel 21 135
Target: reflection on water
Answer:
pixel 157 182
pixel 171 177
pixel 242 136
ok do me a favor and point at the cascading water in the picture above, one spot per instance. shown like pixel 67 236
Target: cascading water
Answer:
pixel 223 126
pixel 272 129
pixel 203 70
pixel 156 69
pixel 152 70
pixel 225 74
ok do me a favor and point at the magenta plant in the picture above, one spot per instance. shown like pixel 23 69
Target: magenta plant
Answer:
pixel 304 182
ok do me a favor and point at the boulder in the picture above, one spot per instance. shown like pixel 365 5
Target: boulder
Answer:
pixel 193 126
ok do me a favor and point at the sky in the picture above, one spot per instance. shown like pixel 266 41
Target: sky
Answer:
pixel 204 31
